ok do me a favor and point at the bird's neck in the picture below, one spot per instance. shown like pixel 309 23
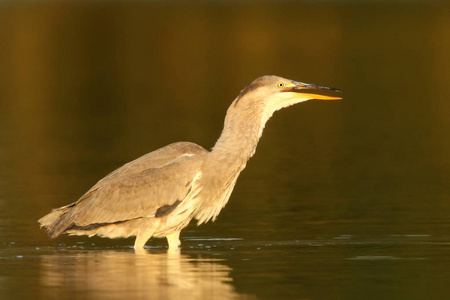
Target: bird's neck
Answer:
pixel 239 138
pixel 222 166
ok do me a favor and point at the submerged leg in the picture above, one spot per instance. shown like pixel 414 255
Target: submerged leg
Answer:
pixel 174 240
pixel 142 237
pixel 144 234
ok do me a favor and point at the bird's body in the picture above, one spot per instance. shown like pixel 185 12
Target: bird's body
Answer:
pixel 158 194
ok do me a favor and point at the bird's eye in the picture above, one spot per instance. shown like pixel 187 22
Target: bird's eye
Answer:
pixel 280 84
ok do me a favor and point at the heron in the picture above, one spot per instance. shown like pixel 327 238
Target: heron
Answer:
pixel 159 193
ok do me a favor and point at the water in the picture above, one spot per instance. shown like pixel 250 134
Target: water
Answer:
pixel 346 266
pixel 343 200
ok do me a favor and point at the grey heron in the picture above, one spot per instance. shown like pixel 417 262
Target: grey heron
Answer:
pixel 159 193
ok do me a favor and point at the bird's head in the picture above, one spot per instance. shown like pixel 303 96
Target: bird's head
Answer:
pixel 271 93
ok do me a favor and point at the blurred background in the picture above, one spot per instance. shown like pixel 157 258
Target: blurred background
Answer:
pixel 88 86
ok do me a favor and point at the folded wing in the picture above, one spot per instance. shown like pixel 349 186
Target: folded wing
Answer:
pixel 150 186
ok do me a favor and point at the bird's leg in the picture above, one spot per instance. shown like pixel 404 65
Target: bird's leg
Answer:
pixel 143 235
pixel 174 240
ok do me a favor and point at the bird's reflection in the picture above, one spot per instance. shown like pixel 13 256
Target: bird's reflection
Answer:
pixel 120 274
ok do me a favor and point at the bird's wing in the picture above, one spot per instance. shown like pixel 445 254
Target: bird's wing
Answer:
pixel 137 195
pixel 137 189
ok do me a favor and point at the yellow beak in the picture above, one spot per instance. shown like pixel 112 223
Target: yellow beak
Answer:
pixel 298 86
pixel 314 96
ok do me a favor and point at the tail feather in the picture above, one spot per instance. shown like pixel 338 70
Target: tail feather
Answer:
pixel 57 221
